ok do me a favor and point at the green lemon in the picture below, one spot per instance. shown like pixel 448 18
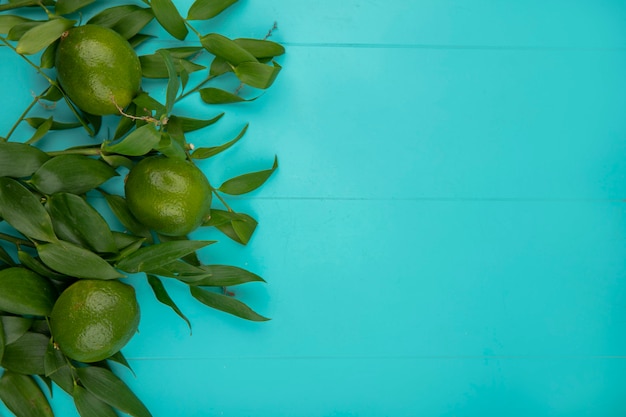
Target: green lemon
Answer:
pixel 98 69
pixel 93 319
pixel 170 196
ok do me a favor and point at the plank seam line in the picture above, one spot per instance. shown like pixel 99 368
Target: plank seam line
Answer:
pixel 387 357
pixel 476 47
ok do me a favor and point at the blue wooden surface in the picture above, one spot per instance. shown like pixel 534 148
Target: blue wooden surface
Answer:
pixel 445 235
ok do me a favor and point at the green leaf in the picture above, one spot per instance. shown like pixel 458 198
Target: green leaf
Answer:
pixel 75 261
pixel 70 6
pixel 207 9
pixel 247 182
pixel 153 66
pixel 74 174
pixel 2 341
pixel 138 142
pixel 16 4
pixel 41 131
pixel 42 35
pixel 170 147
pixel 256 74
pixel 48 56
pixel 226 276
pixel 261 48
pixel 24 292
pixel 76 221
pixel 151 257
pixel 22 210
pixel 203 153
pixel 116 161
pixel 118 357
pixel 118 206
pixel 18 30
pixel 8 21
pixel 109 388
pixel 173 83
pixel 168 16
pixel 36 122
pixel 161 294
pixel 20 160
pixel 212 95
pixel 189 125
pixel 219 66
pixel 53 360
pixel 15 327
pixel 88 405
pixel 53 94
pixel 225 303
pixel 226 49
pixel 26 354
pixel 64 379
pixel 148 104
pixel 22 395
pixel 35 265
pixel 237 226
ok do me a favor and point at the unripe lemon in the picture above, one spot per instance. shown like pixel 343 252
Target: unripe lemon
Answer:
pixel 170 196
pixel 98 69
pixel 93 319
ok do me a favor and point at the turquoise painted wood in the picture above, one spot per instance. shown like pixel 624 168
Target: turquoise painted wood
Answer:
pixel 445 235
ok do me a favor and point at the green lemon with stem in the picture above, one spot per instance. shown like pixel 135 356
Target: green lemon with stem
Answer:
pixel 98 69
pixel 94 319
pixel 171 196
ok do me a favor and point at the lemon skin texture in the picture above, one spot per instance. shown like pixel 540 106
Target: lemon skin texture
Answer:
pixel 93 319
pixel 98 69
pixel 170 196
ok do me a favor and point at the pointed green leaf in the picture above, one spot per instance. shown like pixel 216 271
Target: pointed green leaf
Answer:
pixel 203 153
pixel 74 174
pixel 168 16
pixel 53 359
pixel 70 6
pixel 155 256
pixel 161 294
pixel 15 327
pixel 237 226
pixel 138 142
pixel 24 292
pixel 173 83
pixel 247 182
pixel 35 265
pixel 88 405
pixel 75 261
pixel 36 122
pixel 207 9
pixel 18 30
pixel 22 395
pixel 170 147
pixel 226 276
pixel 16 4
pixel 26 354
pixel 48 56
pixel 103 384
pixel 20 160
pixel 225 303
pixel 153 66
pixel 41 131
pixel 53 94
pixel 127 20
pixel 226 49
pixel 22 210
pixel 76 221
pixel 147 104
pixel 219 66
pixel 256 74
pixel 118 357
pixel 189 125
pixel 212 95
pixel 42 35
pixel 118 206
pixel 8 21
pixel 261 48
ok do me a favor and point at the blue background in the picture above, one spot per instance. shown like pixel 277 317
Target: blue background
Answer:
pixel 445 235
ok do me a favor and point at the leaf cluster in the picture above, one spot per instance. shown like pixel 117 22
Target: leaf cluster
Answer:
pixel 54 229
